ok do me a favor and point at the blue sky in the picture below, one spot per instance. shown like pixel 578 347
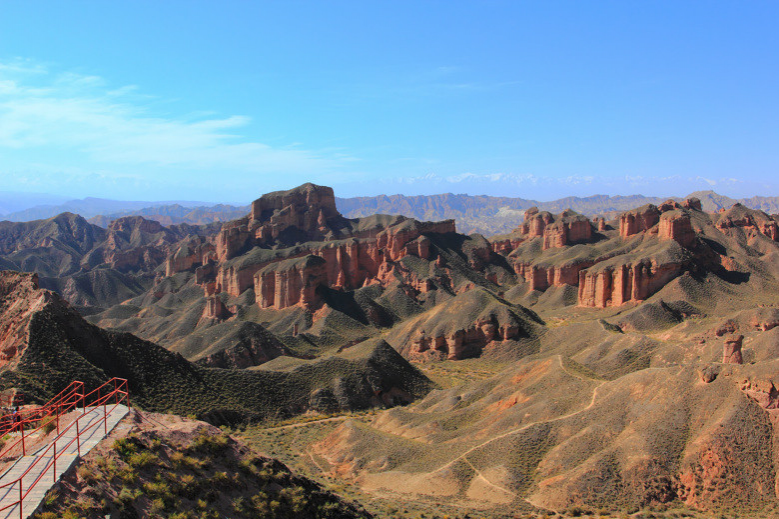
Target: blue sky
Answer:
pixel 223 101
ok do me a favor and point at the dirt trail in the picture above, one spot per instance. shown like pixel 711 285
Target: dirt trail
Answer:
pixel 527 426
pixel 306 424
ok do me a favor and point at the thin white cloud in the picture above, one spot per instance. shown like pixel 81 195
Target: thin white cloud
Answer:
pixel 108 126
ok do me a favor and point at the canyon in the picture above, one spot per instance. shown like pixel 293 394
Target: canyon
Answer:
pixel 564 349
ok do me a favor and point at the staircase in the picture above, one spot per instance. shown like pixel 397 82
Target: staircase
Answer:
pixel 25 483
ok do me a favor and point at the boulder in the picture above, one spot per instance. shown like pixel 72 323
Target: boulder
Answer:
pixel 731 353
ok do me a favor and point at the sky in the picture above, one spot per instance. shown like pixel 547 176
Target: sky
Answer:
pixel 224 101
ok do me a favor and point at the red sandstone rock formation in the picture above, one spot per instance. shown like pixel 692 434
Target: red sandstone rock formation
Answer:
pixel 731 353
pixel 677 226
pixel 193 252
pixel 20 298
pixel 749 221
pixel 542 277
pixel 568 229
pixel 556 231
pixel 463 342
pixel 692 204
pixel 132 243
pixel 638 220
pixel 617 285
pixel 215 309
pixel 765 393
pixel 353 254
pixel 291 282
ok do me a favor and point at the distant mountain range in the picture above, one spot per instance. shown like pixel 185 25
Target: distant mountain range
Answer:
pixel 29 207
pixel 487 215
pixel 490 215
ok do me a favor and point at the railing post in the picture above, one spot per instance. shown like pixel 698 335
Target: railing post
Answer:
pixel 78 439
pixel 54 468
pixel 58 423
pixel 105 418
pixel 21 426
pixel 21 499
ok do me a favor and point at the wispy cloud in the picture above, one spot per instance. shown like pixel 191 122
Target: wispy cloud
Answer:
pixel 47 113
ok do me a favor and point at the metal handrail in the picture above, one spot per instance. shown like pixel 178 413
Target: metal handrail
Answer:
pixel 119 393
pixel 59 406
pixel 9 422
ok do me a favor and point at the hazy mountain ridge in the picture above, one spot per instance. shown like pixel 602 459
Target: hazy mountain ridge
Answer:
pixel 177 213
pixel 89 207
pixel 489 215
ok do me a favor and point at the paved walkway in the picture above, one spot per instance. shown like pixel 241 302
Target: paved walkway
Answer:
pixel 64 442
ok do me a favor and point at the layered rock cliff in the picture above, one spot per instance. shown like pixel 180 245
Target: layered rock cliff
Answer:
pixel 294 242
pixel 652 246
pixel 473 324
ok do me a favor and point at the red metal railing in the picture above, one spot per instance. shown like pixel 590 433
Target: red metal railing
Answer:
pixel 35 419
pixel 114 391
pixel 9 421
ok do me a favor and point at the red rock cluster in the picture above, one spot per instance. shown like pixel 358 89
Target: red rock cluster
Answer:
pixel 602 285
pixel 753 223
pixel 638 220
pixel 555 231
pixel 614 286
pixel 322 249
pixel 542 277
pixel 458 344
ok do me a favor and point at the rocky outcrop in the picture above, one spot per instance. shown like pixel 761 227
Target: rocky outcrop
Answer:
pixel 731 351
pixel 464 342
pixel 193 252
pixel 291 282
pixel 556 230
pixel 264 249
pixel 693 204
pixel 616 273
pixel 233 238
pixel 215 309
pixel 20 297
pixel 676 225
pixel 306 213
pixel 571 228
pixel 617 285
pixel 308 207
pixel 749 221
pixel 473 322
pixel 542 277
pixel 638 220
pixel 370 256
pixel 765 393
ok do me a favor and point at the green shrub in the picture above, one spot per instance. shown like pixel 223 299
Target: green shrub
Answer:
pixel 87 473
pixel 125 446
pixel 141 459
pixel 49 423
pixel 211 444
